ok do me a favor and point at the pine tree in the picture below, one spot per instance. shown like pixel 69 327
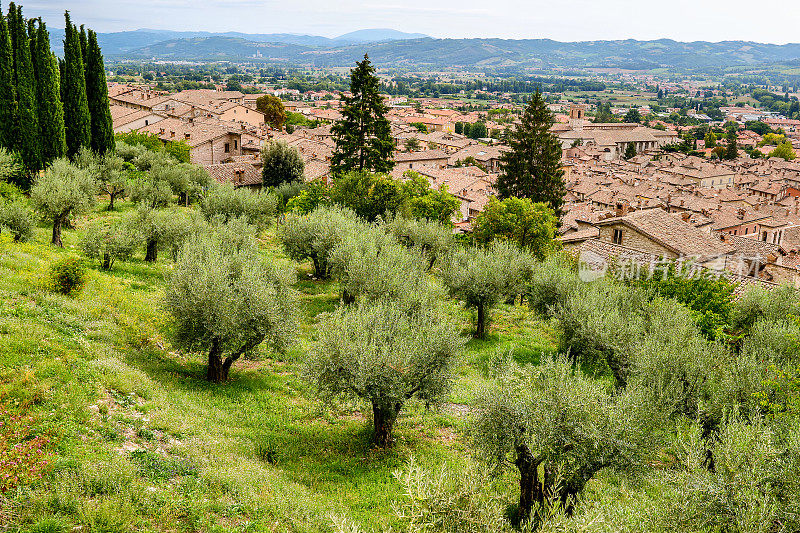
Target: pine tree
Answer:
pixel 97 95
pixel 51 110
pixel 363 138
pixel 532 167
pixel 76 107
pixel 27 111
pixel 8 99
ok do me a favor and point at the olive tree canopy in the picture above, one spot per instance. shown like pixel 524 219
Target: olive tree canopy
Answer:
pixel 226 299
pixel 64 190
pixel 379 353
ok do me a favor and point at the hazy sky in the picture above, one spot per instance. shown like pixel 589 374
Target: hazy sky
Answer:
pixel 566 20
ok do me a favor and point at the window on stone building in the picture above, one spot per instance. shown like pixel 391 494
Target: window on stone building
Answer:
pixel 617 237
pixel 227 147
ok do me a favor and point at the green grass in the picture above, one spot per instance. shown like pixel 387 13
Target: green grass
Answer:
pixel 140 442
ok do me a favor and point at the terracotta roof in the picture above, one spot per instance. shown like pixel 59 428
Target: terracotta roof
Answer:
pixel 425 155
pixel 751 247
pixel 197 133
pixel 239 174
pixel 673 233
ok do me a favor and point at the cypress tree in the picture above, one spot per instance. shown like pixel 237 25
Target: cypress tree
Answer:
pixel 51 110
pixel 12 31
pixel 532 168
pixel 84 45
pixel 27 115
pixel 363 138
pixel 97 95
pixel 76 107
pixel 8 103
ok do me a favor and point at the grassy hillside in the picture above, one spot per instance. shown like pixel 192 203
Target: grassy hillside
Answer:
pixel 134 439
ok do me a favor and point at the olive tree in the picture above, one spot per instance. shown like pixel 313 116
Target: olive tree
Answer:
pixel 281 163
pixel 62 191
pixel 369 264
pixel 315 235
pixel 224 202
pixel 482 277
pixel 17 217
pixel 226 299
pixel 557 427
pixel 162 229
pixel 109 241
pixel 145 189
pixel 187 180
pixel 432 239
pixel 384 355
pixel 108 171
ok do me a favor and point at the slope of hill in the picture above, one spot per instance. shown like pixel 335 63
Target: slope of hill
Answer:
pixel 139 440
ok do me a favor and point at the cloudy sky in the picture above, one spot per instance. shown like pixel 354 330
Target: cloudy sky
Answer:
pixel 566 20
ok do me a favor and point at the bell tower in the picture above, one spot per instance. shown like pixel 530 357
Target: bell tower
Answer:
pixel 577 115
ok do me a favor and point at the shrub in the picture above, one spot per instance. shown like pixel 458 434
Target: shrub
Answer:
pixel 450 501
pixel 68 275
pixel 313 195
pixel 285 192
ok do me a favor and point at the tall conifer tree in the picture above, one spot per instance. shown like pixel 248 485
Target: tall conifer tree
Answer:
pixel 363 138
pixel 27 111
pixel 76 107
pixel 532 168
pixel 51 110
pixel 97 95
pixel 8 98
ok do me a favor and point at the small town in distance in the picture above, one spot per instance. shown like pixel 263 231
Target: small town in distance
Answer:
pixel 276 273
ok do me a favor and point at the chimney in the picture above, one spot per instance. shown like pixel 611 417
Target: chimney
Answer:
pixel 740 213
pixel 686 216
pixel 187 136
pixel 172 134
pixel 161 131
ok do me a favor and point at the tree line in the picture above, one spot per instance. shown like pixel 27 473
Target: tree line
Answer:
pixel 50 108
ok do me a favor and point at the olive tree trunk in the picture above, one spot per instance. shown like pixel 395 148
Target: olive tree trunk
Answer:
pixel 151 256
pixel 383 418
pixel 218 366
pixel 57 223
pixel 480 327
pixel 530 490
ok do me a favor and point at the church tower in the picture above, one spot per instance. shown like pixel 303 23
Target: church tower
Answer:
pixel 577 115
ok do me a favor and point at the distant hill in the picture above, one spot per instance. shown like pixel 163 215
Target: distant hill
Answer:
pixel 375 36
pixel 478 53
pixel 121 43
